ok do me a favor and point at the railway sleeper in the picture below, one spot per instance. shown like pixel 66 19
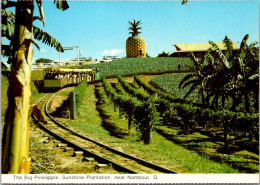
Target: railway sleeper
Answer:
pixel 105 166
pixel 88 159
pixel 61 145
pixel 78 154
pixel 69 149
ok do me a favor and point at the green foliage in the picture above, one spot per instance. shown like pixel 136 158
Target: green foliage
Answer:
pixel 8 27
pixel 163 54
pixel 46 38
pixel 80 91
pixel 141 113
pixel 61 4
pixel 169 83
pixel 162 104
pixel 230 75
pixel 142 65
pixel 147 87
pixel 191 115
pixel 42 60
pixel 133 91
pixel 134 28
pixel 235 121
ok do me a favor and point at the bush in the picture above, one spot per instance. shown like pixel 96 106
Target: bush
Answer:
pixel 225 119
pixel 143 114
pixel 80 91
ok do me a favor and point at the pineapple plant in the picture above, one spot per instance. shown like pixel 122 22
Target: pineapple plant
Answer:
pixel 135 45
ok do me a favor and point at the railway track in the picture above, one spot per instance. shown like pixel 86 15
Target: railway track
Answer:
pixel 90 149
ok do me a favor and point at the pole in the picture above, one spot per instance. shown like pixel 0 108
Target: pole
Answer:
pixel 77 56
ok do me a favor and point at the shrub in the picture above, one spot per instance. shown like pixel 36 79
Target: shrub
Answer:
pixel 80 91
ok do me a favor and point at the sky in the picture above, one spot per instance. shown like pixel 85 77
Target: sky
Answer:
pixel 100 28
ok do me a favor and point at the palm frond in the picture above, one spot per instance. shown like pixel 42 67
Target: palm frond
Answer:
pixel 207 55
pixel 244 42
pixel 209 96
pixel 229 47
pixel 7 30
pixel 193 87
pixel 243 46
pixel 195 81
pixel 6 50
pixel 186 78
pixel 221 56
pixel 8 20
pixel 241 66
pixel 46 38
pixel 194 59
pixel 255 76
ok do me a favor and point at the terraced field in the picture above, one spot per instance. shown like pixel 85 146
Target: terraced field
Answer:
pixel 170 83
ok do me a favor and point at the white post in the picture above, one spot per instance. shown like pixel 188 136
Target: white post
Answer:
pixel 77 56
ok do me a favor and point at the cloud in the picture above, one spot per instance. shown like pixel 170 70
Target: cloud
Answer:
pixel 112 51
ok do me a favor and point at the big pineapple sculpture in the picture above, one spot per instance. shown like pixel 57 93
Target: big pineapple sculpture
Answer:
pixel 135 45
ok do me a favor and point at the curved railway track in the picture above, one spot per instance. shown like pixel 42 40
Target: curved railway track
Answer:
pixel 120 161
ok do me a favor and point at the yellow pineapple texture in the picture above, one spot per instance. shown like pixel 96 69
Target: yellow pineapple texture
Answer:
pixel 135 45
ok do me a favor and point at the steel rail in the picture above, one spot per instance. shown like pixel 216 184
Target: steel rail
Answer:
pixel 139 160
pixel 98 158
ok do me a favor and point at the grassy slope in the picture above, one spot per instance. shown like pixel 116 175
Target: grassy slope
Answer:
pixel 161 151
pixel 131 66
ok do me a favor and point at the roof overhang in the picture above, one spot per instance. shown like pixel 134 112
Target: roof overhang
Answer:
pixel 188 47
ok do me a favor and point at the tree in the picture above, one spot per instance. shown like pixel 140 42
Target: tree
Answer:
pixel 229 75
pixel 15 149
pixel 236 75
pixel 198 79
pixel 7 30
pixel 163 54
pixel 42 60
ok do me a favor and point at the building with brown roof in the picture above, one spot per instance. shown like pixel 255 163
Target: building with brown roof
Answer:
pixel 199 49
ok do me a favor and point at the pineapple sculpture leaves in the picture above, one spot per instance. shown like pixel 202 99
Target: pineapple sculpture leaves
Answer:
pixel 135 45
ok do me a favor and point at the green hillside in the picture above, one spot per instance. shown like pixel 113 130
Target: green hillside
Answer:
pixel 135 66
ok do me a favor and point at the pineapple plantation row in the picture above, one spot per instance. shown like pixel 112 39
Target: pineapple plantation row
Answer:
pixel 150 103
pixel 166 117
